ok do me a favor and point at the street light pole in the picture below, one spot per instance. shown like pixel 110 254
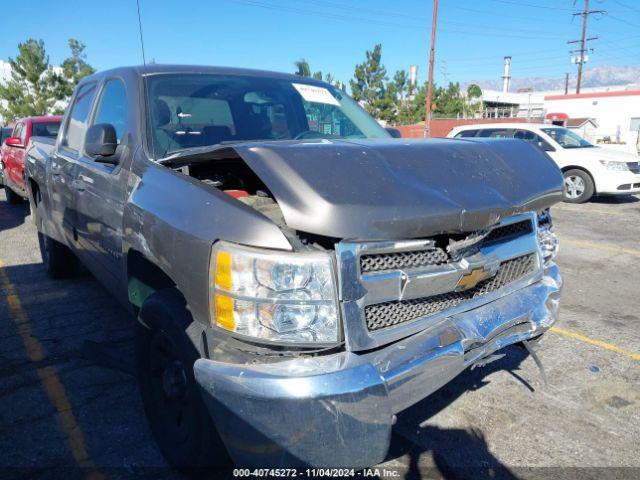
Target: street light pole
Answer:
pixel 432 52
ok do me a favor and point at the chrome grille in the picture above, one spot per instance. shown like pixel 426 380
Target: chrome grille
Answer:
pixel 634 166
pixel 399 260
pixel 387 314
pixel 378 262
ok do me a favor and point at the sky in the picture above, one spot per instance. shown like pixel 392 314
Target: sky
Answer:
pixel 333 35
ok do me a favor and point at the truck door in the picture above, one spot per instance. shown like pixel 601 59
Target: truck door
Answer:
pixel 12 153
pixel 64 165
pixel 102 190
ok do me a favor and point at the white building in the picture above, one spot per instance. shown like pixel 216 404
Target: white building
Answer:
pixel 616 113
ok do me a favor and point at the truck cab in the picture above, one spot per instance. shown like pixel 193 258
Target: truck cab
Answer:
pixel 13 152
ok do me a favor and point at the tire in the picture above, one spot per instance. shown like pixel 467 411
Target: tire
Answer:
pixel 578 186
pixel 12 197
pixel 58 259
pixel 176 412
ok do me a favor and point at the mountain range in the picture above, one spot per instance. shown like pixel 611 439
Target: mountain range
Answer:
pixel 596 76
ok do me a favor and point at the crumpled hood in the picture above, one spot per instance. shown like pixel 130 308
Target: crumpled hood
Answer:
pixel 393 189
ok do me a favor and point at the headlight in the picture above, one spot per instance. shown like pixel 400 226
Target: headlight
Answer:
pixel 273 296
pixel 547 239
pixel 618 166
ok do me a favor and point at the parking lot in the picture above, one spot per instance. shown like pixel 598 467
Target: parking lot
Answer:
pixel 61 407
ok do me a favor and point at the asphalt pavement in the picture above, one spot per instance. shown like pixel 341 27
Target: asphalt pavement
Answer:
pixel 64 413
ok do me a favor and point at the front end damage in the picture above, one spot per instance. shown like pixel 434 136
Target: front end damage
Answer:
pixel 443 254
pixel 338 409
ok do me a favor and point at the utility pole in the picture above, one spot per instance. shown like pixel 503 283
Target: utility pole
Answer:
pixel 566 83
pixel 432 53
pixel 583 39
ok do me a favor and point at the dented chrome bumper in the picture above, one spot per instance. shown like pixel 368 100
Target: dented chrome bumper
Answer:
pixel 338 410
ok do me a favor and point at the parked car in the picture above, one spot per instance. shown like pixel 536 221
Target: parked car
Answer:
pixel 588 169
pixel 12 153
pixel 5 132
pixel 299 277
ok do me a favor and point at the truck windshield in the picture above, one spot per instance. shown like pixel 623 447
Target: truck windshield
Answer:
pixel 198 110
pixel 566 138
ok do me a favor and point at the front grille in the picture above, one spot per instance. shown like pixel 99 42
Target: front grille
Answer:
pixel 378 262
pixel 399 260
pixel 387 314
pixel 634 166
pixel 509 231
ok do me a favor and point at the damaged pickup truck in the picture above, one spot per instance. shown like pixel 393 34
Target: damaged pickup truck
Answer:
pixel 299 277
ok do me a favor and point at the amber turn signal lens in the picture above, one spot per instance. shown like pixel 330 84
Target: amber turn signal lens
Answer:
pixel 224 312
pixel 223 270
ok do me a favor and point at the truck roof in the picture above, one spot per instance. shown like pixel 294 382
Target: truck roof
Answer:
pixel 45 118
pixel 145 70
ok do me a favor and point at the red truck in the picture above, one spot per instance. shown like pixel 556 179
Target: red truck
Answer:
pixel 13 150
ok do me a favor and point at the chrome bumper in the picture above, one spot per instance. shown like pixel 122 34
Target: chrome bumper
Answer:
pixel 338 410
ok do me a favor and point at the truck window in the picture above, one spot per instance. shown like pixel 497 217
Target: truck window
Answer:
pixel 17 132
pixel 496 133
pixel 112 107
pixel 466 133
pixel 45 129
pixel 74 133
pixel 196 110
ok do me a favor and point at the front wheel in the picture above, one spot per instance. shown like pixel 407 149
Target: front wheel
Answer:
pixel 176 413
pixel 578 186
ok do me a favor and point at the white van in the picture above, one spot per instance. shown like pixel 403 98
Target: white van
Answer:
pixel 588 169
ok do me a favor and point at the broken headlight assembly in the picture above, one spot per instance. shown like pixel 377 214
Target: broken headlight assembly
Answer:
pixel 274 296
pixel 547 239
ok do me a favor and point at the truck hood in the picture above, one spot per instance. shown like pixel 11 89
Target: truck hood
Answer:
pixel 399 188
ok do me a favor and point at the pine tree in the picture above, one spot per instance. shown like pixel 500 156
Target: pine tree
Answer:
pixel 74 69
pixel 368 85
pixel 31 90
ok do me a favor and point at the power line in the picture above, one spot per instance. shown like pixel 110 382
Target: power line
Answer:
pixel 351 19
pixel 626 6
pixel 529 5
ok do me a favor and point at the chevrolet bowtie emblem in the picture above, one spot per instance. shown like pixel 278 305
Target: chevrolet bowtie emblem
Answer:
pixel 472 279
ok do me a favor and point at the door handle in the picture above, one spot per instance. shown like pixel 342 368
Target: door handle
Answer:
pixel 78 185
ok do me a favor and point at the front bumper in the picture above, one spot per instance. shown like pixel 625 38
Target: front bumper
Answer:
pixel 337 410
pixel 618 183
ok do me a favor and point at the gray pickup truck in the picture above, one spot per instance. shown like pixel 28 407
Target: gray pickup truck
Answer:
pixel 298 276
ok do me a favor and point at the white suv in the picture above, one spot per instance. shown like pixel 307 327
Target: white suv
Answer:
pixel 588 170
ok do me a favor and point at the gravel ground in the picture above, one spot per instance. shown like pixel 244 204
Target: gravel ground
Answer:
pixel 60 410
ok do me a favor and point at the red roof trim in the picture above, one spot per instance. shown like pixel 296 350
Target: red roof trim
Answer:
pixel 621 93
pixel 557 116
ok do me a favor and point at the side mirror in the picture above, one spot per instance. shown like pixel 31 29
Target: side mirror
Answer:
pixel 101 143
pixel 394 132
pixel 546 147
pixel 14 142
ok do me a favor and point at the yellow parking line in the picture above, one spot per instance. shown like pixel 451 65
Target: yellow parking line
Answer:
pixel 598 343
pixel 49 379
pixel 608 247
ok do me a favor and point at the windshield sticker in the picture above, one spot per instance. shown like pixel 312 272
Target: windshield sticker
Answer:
pixel 314 94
